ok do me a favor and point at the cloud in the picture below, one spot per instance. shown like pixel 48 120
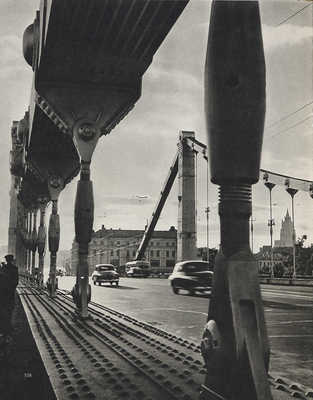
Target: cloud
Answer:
pixel 259 207
pixel 12 63
pixel 175 77
pixel 130 200
pixel 291 163
pixel 285 35
pixel 10 49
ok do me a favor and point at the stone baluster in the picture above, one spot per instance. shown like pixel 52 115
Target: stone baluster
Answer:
pixel 18 239
pixel 34 244
pixel 20 244
pixel 84 208
pixel 29 232
pixel 24 236
pixel 41 240
pixel 55 186
pixel 86 135
pixel 23 225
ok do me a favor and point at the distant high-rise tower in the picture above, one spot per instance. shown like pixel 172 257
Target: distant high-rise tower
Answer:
pixel 285 233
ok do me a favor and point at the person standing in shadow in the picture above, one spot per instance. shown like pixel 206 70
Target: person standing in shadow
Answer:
pixel 8 284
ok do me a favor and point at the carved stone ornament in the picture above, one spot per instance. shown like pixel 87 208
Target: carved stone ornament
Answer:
pixel 55 186
pixel 55 181
pixel 86 130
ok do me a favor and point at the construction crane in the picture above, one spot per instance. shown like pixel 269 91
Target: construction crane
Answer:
pixel 196 146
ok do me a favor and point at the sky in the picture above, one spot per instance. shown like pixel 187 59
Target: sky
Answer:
pixel 134 159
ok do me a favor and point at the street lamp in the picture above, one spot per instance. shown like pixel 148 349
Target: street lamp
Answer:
pixel 271 221
pixel 251 221
pixel 292 193
pixel 207 210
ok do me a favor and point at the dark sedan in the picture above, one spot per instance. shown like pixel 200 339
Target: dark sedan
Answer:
pixel 193 276
pixel 105 273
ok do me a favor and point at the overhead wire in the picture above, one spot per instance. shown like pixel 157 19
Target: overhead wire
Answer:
pixel 290 127
pixel 301 108
pixel 288 115
pixel 293 15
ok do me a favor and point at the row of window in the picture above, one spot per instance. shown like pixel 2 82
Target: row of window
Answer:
pixel 268 263
pixel 152 253
pixel 157 244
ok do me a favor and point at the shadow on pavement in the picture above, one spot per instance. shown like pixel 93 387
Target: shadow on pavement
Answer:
pixel 120 287
pixel 201 295
pixel 284 306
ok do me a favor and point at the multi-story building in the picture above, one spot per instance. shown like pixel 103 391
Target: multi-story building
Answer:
pixel 118 246
pixel 281 250
pixel 286 232
pixel 267 262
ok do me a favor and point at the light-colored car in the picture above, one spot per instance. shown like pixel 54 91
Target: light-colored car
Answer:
pixel 193 276
pixel 105 273
pixel 136 272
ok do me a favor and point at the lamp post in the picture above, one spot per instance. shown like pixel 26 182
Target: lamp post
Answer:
pixel 252 231
pixel 271 221
pixel 292 193
pixel 207 210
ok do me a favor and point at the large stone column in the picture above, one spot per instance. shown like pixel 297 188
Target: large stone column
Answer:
pixel 41 241
pixel 186 233
pixel 55 187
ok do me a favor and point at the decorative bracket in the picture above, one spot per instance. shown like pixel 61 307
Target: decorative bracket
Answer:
pixel 86 135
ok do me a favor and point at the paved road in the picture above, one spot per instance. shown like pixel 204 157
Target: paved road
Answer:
pixel 288 313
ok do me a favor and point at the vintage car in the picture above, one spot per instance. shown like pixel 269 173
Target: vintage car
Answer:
pixel 105 273
pixel 193 276
pixel 138 269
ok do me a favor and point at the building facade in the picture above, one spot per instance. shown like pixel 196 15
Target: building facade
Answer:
pixel 286 233
pixel 118 246
pixel 281 255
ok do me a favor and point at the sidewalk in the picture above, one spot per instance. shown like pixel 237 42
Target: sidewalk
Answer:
pixel 22 373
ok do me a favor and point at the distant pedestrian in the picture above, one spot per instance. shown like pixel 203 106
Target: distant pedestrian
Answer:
pixel 8 284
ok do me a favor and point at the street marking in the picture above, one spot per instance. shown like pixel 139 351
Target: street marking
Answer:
pixel 289 336
pixel 292 322
pixel 304 305
pixel 273 294
pixel 293 294
pixel 173 309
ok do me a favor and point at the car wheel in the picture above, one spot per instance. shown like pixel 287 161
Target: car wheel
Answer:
pixel 116 283
pixel 191 292
pixel 175 290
